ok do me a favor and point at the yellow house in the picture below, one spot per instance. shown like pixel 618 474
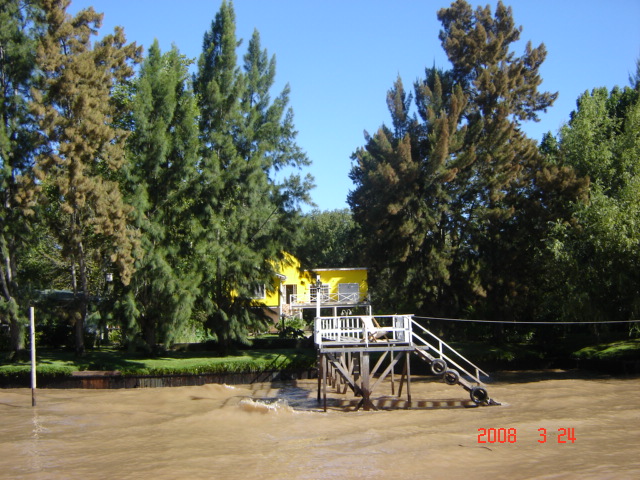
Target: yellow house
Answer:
pixel 293 289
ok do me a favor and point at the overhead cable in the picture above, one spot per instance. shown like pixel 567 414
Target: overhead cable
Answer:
pixel 515 322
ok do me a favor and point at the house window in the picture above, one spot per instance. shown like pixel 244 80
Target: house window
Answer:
pixel 260 293
pixel 324 293
pixel 348 292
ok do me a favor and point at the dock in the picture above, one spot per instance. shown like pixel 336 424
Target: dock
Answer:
pixel 348 346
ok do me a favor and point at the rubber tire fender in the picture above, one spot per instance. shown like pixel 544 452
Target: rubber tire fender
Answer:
pixel 451 377
pixel 479 395
pixel 438 366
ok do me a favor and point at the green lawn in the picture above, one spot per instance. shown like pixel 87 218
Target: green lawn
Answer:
pixel 56 362
pixel 63 363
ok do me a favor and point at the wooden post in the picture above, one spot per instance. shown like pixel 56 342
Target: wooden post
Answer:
pixel 318 288
pixel 32 336
pixel 408 360
pixel 393 380
pixel 404 374
pixel 319 376
pixel 365 375
pixel 324 379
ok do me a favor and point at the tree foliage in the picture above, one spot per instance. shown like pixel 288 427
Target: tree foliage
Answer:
pixel 163 152
pixel 441 198
pixel 328 239
pixel 598 254
pixel 244 216
pixel 75 115
pixel 18 20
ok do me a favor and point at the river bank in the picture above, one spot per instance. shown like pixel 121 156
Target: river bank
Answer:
pixel 194 365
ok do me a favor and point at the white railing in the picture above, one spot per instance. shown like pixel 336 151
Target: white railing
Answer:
pixel 446 352
pixel 371 330
pixel 362 329
pixel 325 298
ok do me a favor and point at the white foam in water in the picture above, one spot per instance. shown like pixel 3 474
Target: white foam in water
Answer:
pixel 264 406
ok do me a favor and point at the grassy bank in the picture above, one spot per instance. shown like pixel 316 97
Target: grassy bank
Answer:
pixel 64 363
pixel 620 356
pixel 564 353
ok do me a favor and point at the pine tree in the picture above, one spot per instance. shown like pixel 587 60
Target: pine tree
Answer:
pixel 85 148
pixel 18 21
pixel 440 197
pixel 503 92
pixel 244 216
pixel 401 199
pixel 163 155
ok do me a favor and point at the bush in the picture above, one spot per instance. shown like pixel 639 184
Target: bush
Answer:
pixel 291 327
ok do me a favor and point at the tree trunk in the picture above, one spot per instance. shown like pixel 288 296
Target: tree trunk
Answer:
pixel 17 335
pixel 15 327
pixel 84 302
pixel 149 333
pixel 79 329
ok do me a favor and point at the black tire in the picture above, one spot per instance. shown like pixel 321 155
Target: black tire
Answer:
pixel 479 395
pixel 438 366
pixel 451 377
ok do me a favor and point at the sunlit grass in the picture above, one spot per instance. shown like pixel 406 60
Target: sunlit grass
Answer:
pixel 620 350
pixel 55 362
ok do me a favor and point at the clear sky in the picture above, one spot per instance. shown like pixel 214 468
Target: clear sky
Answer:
pixel 340 57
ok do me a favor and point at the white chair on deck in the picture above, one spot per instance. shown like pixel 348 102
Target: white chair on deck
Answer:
pixel 372 329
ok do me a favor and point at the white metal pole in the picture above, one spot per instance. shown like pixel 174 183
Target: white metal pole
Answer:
pixel 318 285
pixel 32 333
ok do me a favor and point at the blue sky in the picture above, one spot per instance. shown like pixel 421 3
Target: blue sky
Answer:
pixel 340 57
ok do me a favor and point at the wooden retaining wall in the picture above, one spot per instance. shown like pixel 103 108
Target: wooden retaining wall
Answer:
pixel 103 380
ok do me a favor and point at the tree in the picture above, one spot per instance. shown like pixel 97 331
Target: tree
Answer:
pixel 18 20
pixel 441 197
pixel 85 149
pixel 401 201
pixel 598 255
pixel 163 151
pixel 328 239
pixel 244 217
pixel 503 92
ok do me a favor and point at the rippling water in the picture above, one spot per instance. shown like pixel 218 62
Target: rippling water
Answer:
pixel 277 431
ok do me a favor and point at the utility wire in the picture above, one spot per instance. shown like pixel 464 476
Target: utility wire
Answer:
pixel 525 323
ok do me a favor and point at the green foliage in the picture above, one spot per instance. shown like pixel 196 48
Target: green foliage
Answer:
pixel 18 145
pixel 597 254
pixel 621 350
pixel 163 152
pixel 56 363
pixel 291 327
pixel 84 149
pixel 189 216
pixel 328 239
pixel 449 201
pixel 243 218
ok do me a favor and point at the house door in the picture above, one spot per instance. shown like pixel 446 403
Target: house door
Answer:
pixel 290 290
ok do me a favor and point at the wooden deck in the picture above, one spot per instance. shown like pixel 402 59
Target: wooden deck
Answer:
pixel 345 345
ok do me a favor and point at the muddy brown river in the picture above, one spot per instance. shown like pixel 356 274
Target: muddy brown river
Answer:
pixel 551 425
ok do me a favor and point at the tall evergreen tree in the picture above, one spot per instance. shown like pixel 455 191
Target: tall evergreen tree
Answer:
pixel 401 200
pixel 163 155
pixel 244 216
pixel 503 92
pixel 85 148
pixel 18 24
pixel 440 197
